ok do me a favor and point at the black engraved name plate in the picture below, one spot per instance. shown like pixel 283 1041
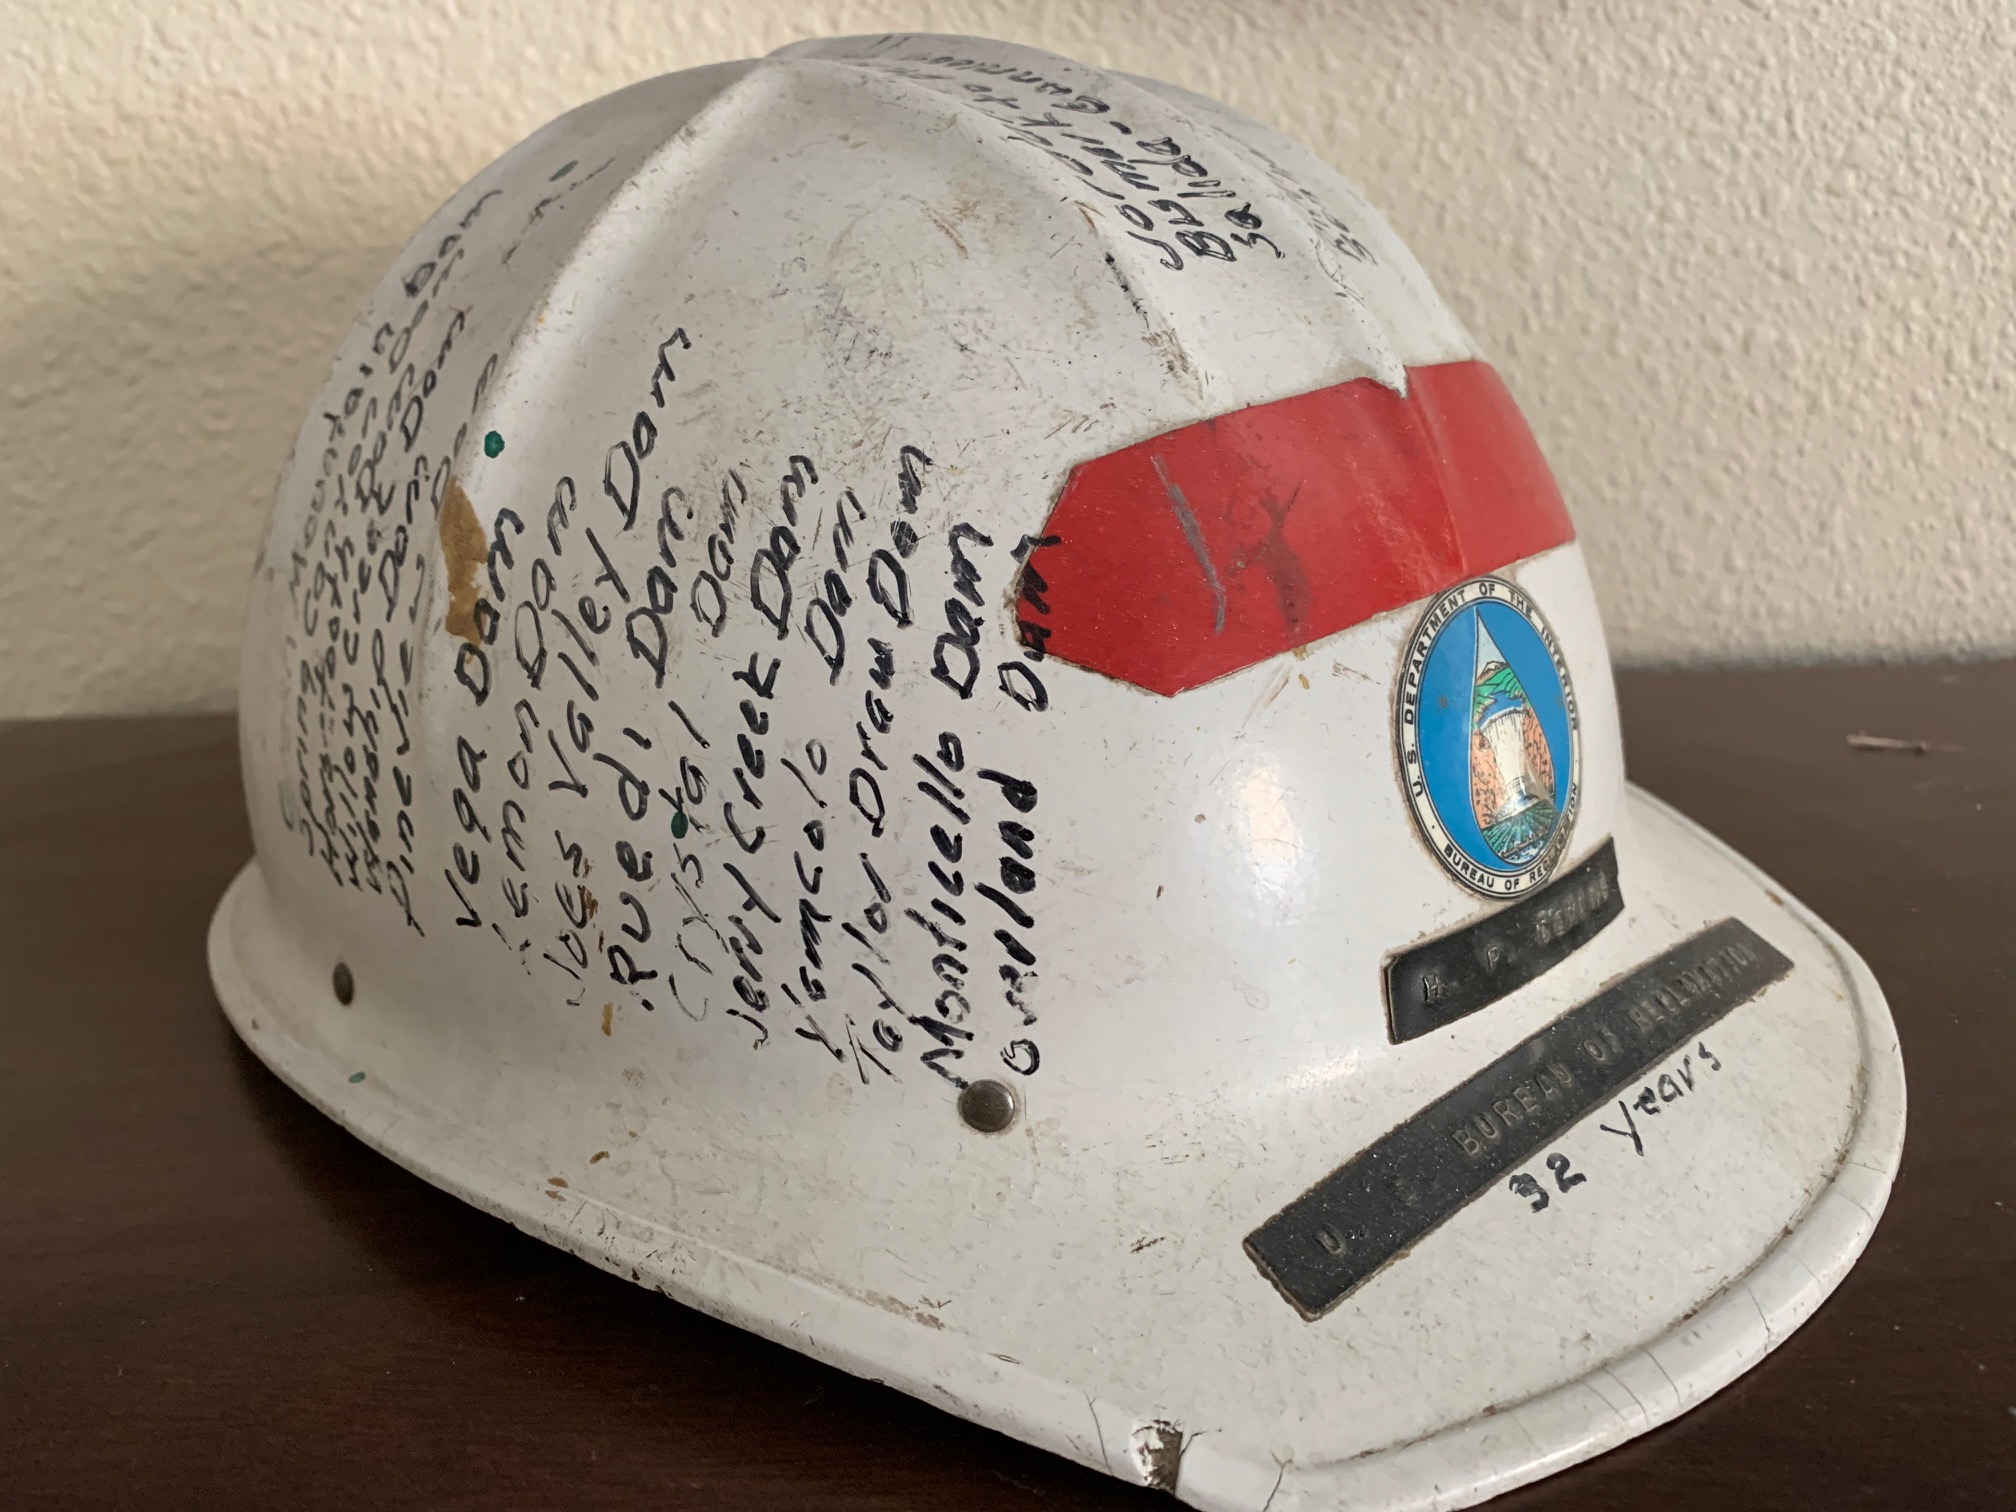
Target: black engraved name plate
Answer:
pixel 1434 984
pixel 1343 1231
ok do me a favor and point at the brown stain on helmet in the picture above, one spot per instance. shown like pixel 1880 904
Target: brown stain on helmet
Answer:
pixel 465 550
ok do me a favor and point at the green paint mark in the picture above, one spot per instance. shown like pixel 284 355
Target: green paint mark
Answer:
pixel 679 824
pixel 492 444
pixel 356 1077
pixel 568 167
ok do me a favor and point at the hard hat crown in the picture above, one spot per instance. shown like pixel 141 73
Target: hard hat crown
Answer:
pixel 960 387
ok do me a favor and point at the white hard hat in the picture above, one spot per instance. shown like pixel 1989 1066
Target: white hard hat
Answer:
pixel 927 698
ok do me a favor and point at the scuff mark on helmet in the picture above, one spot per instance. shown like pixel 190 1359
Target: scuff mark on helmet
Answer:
pixel 465 549
pixel 1158 1450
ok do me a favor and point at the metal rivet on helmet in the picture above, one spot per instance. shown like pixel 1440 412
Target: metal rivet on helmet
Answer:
pixel 988 1107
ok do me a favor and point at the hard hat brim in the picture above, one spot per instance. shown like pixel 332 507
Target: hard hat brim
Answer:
pixel 1688 1347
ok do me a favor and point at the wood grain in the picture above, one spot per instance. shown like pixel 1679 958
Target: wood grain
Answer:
pixel 211 1296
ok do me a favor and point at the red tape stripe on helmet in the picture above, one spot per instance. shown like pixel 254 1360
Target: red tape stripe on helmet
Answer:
pixel 1206 549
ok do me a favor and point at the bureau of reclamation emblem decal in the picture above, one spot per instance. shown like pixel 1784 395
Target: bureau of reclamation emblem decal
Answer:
pixel 1490 746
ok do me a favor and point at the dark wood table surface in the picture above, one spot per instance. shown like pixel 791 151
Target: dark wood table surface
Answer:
pixel 211 1296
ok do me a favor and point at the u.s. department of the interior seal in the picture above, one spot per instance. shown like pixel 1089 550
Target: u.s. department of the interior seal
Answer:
pixel 1490 746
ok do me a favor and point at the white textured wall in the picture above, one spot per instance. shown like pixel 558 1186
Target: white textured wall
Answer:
pixel 1748 270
